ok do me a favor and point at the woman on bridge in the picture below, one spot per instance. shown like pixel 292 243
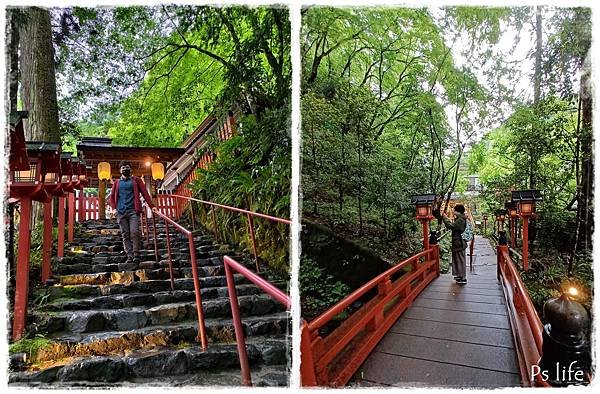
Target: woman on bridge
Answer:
pixel 459 245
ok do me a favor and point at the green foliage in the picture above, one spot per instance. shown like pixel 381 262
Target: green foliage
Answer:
pixel 252 171
pixel 29 346
pixel 318 290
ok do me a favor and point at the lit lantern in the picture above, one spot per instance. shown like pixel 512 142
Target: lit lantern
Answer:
pixel 525 200
pixel 423 203
pixel 75 171
pixel 104 171
pixel 501 215
pixel 158 171
pixel 32 176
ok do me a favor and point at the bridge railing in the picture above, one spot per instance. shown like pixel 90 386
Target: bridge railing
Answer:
pixel 525 322
pixel 230 266
pixel 334 359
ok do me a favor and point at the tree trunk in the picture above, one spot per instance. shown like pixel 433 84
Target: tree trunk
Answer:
pixel 38 79
pixel 12 60
pixel 537 76
pixel 586 198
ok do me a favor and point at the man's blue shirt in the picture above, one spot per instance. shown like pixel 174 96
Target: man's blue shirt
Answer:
pixel 125 202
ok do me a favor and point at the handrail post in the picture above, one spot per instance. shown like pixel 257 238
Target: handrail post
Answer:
pixel 239 329
pixel 154 236
pixel 192 215
pixel 214 220
pixel 308 377
pixel 198 293
pixel 169 253
pixel 525 243
pixel 251 228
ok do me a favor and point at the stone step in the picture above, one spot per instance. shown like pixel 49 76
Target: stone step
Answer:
pixel 149 286
pixel 132 318
pixel 173 334
pixel 144 299
pixel 156 363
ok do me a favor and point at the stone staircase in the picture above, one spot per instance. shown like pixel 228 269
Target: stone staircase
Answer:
pixel 117 324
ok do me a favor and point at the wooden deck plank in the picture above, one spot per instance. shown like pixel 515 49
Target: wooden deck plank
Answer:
pixel 451 336
pixel 446 351
pixel 389 370
pixel 495 309
pixel 457 332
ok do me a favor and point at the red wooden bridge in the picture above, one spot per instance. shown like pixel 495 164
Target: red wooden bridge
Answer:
pixel 417 327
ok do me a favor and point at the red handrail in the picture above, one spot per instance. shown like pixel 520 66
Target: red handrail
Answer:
pixel 333 360
pixel 230 266
pixel 197 291
pixel 526 324
pixel 249 215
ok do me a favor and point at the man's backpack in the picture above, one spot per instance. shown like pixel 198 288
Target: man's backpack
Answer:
pixel 467 235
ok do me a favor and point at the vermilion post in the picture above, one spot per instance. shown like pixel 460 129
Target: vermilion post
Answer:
pixel 308 376
pixel 192 216
pixel 526 243
pixel 169 253
pixel 214 220
pixel 22 274
pixel 71 217
pixel 239 329
pixel 81 210
pixel 154 236
pixel 425 234
pixel 251 228
pixel 61 227
pixel 471 247
pixel 512 233
pixel 47 243
pixel 198 293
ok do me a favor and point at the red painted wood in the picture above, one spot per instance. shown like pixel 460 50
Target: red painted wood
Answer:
pixel 71 227
pixel 22 274
pixel 525 323
pixel 338 356
pixel 47 243
pixel 230 266
pixel 61 227
pixel 526 243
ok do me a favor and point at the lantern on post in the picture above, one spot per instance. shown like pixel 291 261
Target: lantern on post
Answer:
pixel 423 203
pixel 27 183
pixel 104 175
pixel 158 172
pixel 500 218
pixel 525 201
pixel 485 219
pixel 511 207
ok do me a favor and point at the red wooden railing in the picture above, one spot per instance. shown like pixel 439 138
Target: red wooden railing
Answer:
pixel 230 266
pixel 333 360
pixel 524 320
pixel 250 215
pixel 201 326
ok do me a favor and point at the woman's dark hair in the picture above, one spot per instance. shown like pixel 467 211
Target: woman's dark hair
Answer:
pixel 459 208
pixel 124 163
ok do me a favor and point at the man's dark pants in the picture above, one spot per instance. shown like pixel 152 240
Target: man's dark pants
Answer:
pixel 130 231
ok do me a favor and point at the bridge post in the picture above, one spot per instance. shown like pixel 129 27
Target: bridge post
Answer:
pixel 308 376
pixel 566 356
pixel 502 246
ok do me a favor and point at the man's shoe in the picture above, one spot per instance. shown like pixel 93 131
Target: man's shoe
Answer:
pixel 461 281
